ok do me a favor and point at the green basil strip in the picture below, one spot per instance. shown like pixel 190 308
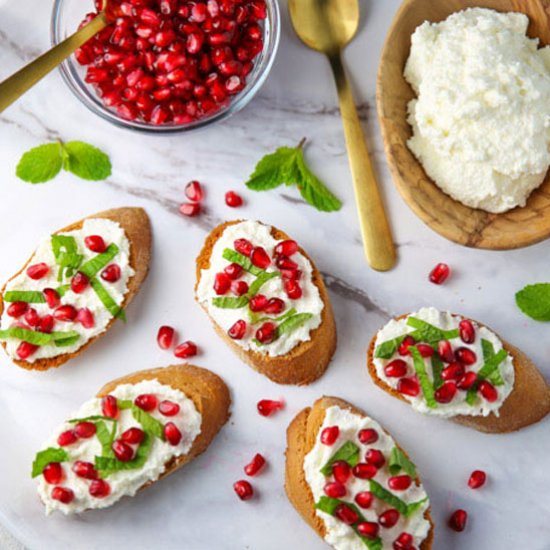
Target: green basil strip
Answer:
pixel 387 349
pixel 230 302
pixel 293 323
pixel 348 452
pixel 112 307
pixel 93 418
pixel 237 258
pixel 437 369
pixel 329 505
pixel 148 422
pixel 65 250
pixel 488 369
pixel 399 461
pixel 255 317
pixel 395 502
pixel 60 339
pixel 106 437
pixel 62 290
pixel 108 465
pixel 47 456
pixel 430 333
pixel 28 296
pixel 93 266
pixel 488 352
pixel 425 383
pixel 260 281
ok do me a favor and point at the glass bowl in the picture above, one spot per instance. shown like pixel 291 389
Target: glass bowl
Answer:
pixel 66 17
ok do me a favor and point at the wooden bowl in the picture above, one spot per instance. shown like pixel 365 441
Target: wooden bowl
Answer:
pixel 467 226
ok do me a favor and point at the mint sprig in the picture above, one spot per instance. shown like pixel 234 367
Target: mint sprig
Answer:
pixel 534 301
pixel 287 165
pixel 43 163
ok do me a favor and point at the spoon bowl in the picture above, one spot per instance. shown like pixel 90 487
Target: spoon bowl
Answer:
pixel 516 228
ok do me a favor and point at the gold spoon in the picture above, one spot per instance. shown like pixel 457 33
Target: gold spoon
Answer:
pixel 16 85
pixel 328 26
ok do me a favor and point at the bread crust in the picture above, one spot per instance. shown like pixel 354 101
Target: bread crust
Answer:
pixel 301 436
pixel 308 360
pixel 528 402
pixel 137 227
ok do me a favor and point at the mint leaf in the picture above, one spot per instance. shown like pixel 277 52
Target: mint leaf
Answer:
pixel 92 267
pixel 40 338
pixel 28 296
pixel 348 452
pixel 108 465
pixel 534 301
pixel 41 163
pixel 86 161
pixel 399 461
pixel 402 507
pixel 238 258
pixel 229 302
pixel 425 383
pixel 47 456
pixel 107 300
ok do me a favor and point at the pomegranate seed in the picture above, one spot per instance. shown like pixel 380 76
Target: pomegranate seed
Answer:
pixel 293 289
pixel 467 381
pixel 95 243
pixel 233 271
pixel 79 283
pixel 65 313
pixel 172 433
pixel 46 324
pixel 396 368
pixel 286 248
pixel 346 514
pixel 233 200
pixel 165 337
pixel 439 274
pixel 238 330
pixel 465 356
pixel 99 488
pixel 255 465
pixel 282 262
pixel 132 436
pixel 260 258
pixel 123 451
pixel 408 386
pixel 243 246
pixel 239 288
pixel 477 479
pixel 16 309
pixel 168 408
pixel 38 271
pixel 266 407
pixel 146 401
pixel 488 391
pixel 368 436
pixel 193 191
pixel 335 489
pixel 85 429
pixel 445 351
pixel 364 471
pixel 446 392
pixel 458 519
pixel 341 471
pixel 329 435
pixel 274 306
pixel 52 297
pixel 66 438
pixel 389 518
pixel 111 273
pixel 222 283
pixel 425 350
pixel 368 529
pixel 85 470
pixel 266 333
pixel 190 209
pixel 53 473
pixel 404 541
pixel 364 499
pixel 408 341
pixel 467 331
pixel 375 457
pixel 291 274
pixel 86 318
pixel 186 350
pixel 258 303
pixel 243 489
pixel 62 494
pixel 399 483
pixel 25 350
pixel 109 406
pixel 455 371
pixel 31 317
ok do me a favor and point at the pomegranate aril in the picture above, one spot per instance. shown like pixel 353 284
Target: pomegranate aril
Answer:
pixel 31 317
pixel 368 436
pixel 465 356
pixel 109 406
pixel 404 541
pixel 368 529
pixel 186 350
pixel 237 330
pixel 233 271
pixel 63 495
pixel 65 313
pixel 258 303
pixel 488 391
pixel 375 457
pixel 111 273
pixel 38 271
pixel 79 283
pixel 477 479
pixel 266 333
pixel 425 350
pixel 293 289
pixel 440 273
pixel 132 436
pixel 346 514
pixel 364 471
pixel 85 470
pixel 364 499
pixel 123 451
pixel 467 331
pixel 95 243
pixel 233 200
pixel 222 283
pixel 46 324
pixel 446 392
pixel 255 465
pixel 68 437
pixel 399 483
pixel 172 433
pixel 146 401
pixel 99 488
pixel 286 248
pixel 193 191
pixel 445 351
pixel 329 435
pixel 52 297
pixel 85 429
pixel 266 407
pixel 243 489
pixel 243 246
pixel 16 309
pixel 455 371
pixel 165 337
pixel 407 342
pixel 458 519
pixel 239 288
pixel 190 209
pixel 282 262
pixel 86 318
pixel 25 350
pixel 341 471
pixel 53 473
pixel 274 306
pixel 408 386
pixel 260 258
pixel 168 408
pixel 335 489
pixel 467 381
pixel 396 368
pixel 389 518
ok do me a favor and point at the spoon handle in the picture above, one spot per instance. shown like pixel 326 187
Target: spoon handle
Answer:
pixel 375 229
pixel 16 85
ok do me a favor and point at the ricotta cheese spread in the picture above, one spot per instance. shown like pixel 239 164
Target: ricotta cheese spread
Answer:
pixel 298 316
pixel 491 363
pixel 340 535
pixel 130 477
pixel 481 121
pixel 112 292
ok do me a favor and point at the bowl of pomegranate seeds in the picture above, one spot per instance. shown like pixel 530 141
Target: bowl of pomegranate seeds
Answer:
pixel 169 65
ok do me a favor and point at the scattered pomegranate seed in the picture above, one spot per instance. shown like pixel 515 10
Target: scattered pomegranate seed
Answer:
pixel 168 408
pixel 293 289
pixel 455 371
pixel 341 471
pixel 404 541
pixel 403 348
pixel 25 350
pixel 477 479
pixel 346 514
pixel 364 471
pixel 146 401
pixel 467 331
pixel 275 306
pixel 16 309
pixel 66 438
pixel 193 191
pixel 99 488
pixel 266 333
pixel 86 318
pixel 439 274
pixel 243 489
pixel 109 406
pixel 488 391
pixel 465 356
pixel 95 243
pixel 190 209
pixel 53 473
pixel 38 271
pixel 132 436
pixel 389 518
pixel 239 288
pixel 222 283
pixel 85 470
pixel 111 273
pixel 258 303
pixel 399 483
pixel 368 529
pixel 335 489
pixel 286 248
pixel 238 330
pixel 233 199
pixel 62 494
pixel 244 247
pixel 425 350
pixel 396 368
pixel 446 392
pixel 368 436
pixel 85 429
pixel 329 435
pixel 65 313
pixel 364 499
pixel 458 519
pixel 445 351
pixel 266 407
pixel 408 386
pixel 31 317
pixel 165 337
pixel 467 381
pixel 260 258
pixel 375 457
pixel 172 433
pixel 255 465
pixel 52 297
pixel 233 271
pixel 186 350
pixel 123 451
pixel 46 324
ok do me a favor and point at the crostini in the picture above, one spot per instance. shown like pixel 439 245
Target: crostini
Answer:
pixel 138 429
pixel 267 300
pixel 452 367
pixel 74 286
pixel 352 483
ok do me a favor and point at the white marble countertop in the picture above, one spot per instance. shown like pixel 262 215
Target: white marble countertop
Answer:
pixel 197 509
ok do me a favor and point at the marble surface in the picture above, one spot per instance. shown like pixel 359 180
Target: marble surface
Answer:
pixel 197 509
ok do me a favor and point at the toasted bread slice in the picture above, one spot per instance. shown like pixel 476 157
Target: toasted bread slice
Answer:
pixel 309 359
pixel 137 228
pixel 301 436
pixel 528 402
